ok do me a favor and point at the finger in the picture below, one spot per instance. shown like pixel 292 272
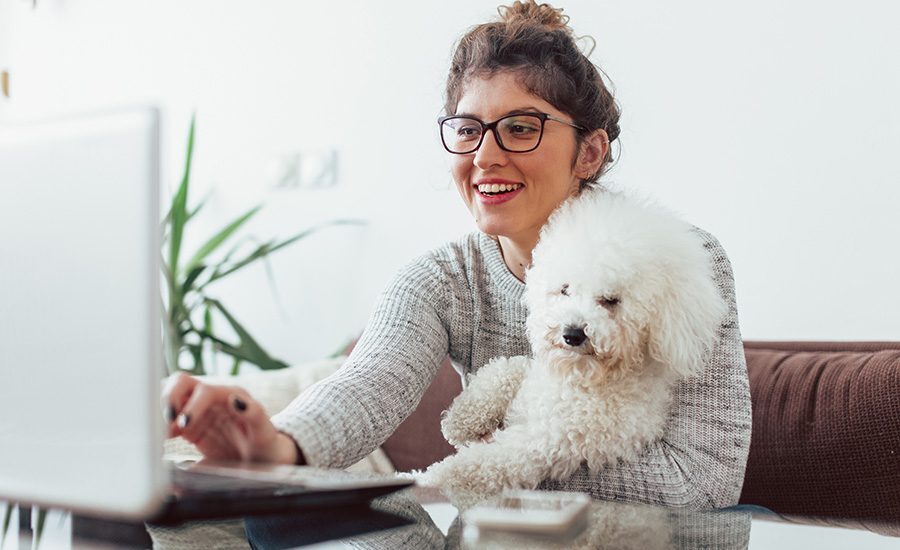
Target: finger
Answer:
pixel 199 411
pixel 175 394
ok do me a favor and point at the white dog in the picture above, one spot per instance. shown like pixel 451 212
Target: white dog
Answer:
pixel 622 305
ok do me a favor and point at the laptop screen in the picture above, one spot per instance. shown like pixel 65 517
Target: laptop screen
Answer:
pixel 80 348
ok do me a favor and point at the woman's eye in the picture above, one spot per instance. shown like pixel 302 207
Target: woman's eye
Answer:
pixel 468 132
pixel 521 130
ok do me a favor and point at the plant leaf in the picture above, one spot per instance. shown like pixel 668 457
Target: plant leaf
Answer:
pixel 243 355
pixel 248 350
pixel 207 320
pixel 164 224
pixel 267 248
pixel 170 345
pixel 199 206
pixel 193 273
pixel 39 528
pixel 239 354
pixel 7 517
pixel 196 351
pixel 212 244
pixel 178 212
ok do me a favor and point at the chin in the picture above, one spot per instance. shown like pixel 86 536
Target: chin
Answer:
pixel 492 227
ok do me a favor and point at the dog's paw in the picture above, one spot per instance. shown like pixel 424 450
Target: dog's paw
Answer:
pixel 456 433
pixel 463 424
pixel 427 478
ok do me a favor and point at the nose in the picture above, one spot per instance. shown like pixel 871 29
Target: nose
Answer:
pixel 574 336
pixel 489 152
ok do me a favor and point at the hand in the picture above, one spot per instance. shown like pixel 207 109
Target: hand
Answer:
pixel 224 423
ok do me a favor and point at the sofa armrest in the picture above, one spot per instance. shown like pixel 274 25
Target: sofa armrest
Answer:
pixel 826 429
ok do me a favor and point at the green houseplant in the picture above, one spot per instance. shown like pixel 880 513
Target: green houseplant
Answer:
pixel 192 313
pixel 190 309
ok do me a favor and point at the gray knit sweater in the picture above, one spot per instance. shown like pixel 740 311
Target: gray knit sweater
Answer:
pixel 461 299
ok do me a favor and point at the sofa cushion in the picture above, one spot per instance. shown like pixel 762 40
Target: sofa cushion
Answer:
pixel 826 429
pixel 417 442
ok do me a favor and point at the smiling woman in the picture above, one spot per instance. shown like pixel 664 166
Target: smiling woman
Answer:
pixel 554 163
pixel 528 123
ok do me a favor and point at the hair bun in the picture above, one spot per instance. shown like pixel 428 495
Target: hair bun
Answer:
pixel 531 13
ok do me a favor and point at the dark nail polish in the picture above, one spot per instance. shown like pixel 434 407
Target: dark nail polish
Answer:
pixel 170 413
pixel 239 404
pixel 183 420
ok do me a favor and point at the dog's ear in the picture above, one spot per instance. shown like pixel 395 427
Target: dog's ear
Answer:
pixel 685 326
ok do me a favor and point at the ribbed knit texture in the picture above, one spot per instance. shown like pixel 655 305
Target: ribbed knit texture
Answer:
pixel 461 299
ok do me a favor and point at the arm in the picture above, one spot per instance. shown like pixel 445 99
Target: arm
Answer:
pixel 343 418
pixel 481 407
pixel 700 461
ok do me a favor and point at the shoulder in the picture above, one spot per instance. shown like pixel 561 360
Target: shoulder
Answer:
pixel 711 244
pixel 718 257
pixel 449 260
pixel 438 269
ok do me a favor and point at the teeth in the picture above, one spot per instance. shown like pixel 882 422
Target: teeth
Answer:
pixel 498 187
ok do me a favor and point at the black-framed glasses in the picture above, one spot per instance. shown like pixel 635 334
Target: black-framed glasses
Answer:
pixel 515 133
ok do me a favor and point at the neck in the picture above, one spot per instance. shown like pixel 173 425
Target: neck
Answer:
pixel 517 253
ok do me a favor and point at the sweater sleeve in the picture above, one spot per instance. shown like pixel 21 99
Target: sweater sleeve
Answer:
pixel 700 461
pixel 341 419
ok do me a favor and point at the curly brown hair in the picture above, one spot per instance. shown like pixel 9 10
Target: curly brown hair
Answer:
pixel 536 42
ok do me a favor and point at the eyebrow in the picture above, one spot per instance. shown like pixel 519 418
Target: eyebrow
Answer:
pixel 520 111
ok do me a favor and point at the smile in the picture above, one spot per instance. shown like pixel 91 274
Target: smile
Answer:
pixel 493 191
pixel 497 188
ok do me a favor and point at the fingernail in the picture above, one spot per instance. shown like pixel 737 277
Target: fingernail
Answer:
pixel 183 420
pixel 169 413
pixel 239 404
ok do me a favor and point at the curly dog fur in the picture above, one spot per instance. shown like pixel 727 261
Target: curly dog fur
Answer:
pixel 622 306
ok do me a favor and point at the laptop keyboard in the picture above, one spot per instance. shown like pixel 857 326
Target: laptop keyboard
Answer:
pixel 253 478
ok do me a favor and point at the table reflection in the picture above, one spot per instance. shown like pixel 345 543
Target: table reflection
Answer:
pixel 615 525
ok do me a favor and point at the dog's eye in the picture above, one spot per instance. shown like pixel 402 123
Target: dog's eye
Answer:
pixel 608 302
pixel 564 290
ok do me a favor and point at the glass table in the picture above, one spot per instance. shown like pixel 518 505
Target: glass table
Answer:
pixel 421 519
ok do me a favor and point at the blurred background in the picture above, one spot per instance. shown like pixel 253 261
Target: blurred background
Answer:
pixel 774 125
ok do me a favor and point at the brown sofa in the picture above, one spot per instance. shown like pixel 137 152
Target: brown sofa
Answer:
pixel 826 429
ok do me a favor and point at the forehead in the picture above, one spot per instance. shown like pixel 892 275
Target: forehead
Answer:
pixel 492 96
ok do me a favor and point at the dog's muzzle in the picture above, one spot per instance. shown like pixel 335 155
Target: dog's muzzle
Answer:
pixel 574 336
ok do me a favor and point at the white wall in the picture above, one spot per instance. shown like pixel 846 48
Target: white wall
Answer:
pixel 772 124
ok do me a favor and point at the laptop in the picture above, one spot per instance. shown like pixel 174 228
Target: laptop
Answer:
pixel 81 359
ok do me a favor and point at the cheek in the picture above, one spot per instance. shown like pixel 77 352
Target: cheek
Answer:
pixel 460 167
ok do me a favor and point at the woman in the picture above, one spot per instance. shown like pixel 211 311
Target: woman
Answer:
pixel 530 125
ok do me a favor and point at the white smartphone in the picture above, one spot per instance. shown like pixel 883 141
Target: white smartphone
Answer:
pixel 532 512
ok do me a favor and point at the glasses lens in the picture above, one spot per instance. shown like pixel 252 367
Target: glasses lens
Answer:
pixel 520 132
pixel 461 135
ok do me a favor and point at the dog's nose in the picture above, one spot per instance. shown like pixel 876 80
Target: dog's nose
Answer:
pixel 574 336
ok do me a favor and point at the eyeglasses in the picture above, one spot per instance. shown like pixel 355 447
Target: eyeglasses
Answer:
pixel 515 133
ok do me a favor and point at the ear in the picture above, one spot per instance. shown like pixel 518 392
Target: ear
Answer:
pixel 592 155
pixel 685 327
